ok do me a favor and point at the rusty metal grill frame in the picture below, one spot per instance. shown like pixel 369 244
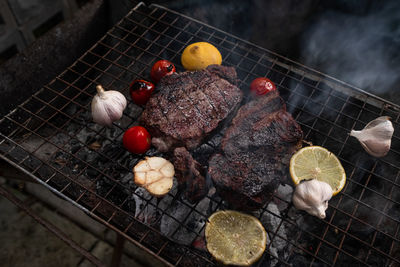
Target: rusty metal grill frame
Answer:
pixel 326 109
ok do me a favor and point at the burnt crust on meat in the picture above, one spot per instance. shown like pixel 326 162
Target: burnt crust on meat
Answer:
pixel 255 152
pixel 190 175
pixel 189 106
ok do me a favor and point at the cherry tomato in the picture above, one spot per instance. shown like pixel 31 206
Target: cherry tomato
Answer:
pixel 140 91
pixel 261 86
pixel 160 69
pixel 136 140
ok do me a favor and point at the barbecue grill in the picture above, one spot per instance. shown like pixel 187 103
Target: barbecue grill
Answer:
pixel 52 139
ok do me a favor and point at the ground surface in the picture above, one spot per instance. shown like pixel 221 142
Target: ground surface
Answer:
pixel 24 242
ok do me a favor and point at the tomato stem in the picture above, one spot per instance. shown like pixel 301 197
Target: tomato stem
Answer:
pixel 170 67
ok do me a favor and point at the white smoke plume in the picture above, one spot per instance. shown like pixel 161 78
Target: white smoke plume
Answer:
pixel 361 49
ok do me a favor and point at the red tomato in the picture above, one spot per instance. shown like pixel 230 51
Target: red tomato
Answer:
pixel 261 86
pixel 140 91
pixel 160 69
pixel 136 140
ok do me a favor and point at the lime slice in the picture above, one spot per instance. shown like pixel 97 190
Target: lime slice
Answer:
pixel 235 238
pixel 315 162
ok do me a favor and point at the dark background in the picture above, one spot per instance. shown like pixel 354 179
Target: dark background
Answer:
pixel 354 41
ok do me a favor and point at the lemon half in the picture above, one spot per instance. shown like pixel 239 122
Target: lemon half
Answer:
pixel 199 55
pixel 315 162
pixel 235 238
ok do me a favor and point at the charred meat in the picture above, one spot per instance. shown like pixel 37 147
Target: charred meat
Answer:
pixel 189 106
pixel 190 175
pixel 256 151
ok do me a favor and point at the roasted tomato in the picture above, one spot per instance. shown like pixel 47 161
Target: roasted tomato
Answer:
pixel 160 69
pixel 136 140
pixel 261 86
pixel 140 91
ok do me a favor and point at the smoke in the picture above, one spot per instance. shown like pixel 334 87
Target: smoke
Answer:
pixel 359 49
pixel 231 16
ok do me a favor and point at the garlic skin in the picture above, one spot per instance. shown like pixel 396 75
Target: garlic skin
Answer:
pixel 312 196
pixel 376 137
pixel 107 106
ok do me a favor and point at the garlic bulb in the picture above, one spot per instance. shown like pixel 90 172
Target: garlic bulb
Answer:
pixel 312 196
pixel 376 137
pixel 155 174
pixel 107 106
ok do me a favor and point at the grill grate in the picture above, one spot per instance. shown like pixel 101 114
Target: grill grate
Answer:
pixel 51 138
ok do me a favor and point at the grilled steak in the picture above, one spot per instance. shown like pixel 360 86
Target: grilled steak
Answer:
pixel 256 151
pixel 190 175
pixel 190 105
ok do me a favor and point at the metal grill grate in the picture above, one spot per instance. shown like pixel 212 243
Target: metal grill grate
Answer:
pixel 51 138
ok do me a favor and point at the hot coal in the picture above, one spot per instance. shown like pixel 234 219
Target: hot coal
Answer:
pixel 189 106
pixel 256 150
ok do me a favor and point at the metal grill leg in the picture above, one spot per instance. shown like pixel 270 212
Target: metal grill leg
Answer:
pixel 118 249
pixel 49 226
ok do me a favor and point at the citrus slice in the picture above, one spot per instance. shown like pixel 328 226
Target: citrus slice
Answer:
pixel 235 238
pixel 315 162
pixel 199 55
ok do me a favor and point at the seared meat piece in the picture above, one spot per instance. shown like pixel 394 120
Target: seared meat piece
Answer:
pixel 256 151
pixel 190 175
pixel 190 105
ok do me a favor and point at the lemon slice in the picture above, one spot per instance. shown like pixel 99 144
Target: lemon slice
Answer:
pixel 315 162
pixel 199 55
pixel 235 238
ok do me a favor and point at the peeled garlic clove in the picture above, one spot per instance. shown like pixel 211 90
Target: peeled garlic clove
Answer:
pixel 140 178
pixel 156 162
pixel 160 188
pixel 376 137
pixel 312 196
pixel 107 106
pixel 155 174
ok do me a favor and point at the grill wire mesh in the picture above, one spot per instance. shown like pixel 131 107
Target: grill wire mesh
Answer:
pixel 51 137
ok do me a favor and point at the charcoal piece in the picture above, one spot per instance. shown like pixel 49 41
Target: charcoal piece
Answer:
pixel 189 106
pixel 92 173
pixel 256 150
pixel 190 175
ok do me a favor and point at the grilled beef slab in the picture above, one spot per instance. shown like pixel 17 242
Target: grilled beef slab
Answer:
pixel 190 105
pixel 256 151
pixel 190 175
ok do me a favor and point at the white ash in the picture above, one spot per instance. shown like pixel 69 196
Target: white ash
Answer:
pixel 271 220
pixel 149 208
pixel 133 110
pixel 145 210
pixel 182 224
pixel 283 196
pixel 125 122
pixel 32 143
pixel 83 134
pixel 59 139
